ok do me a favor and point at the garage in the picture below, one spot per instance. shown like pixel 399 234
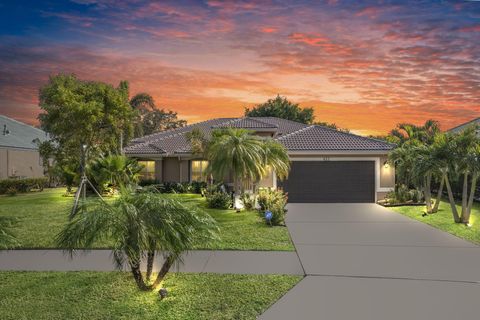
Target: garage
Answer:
pixel 330 182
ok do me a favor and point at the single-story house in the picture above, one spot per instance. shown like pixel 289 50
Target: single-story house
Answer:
pixel 465 125
pixel 19 157
pixel 327 165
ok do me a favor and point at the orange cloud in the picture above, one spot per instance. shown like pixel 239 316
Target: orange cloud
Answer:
pixel 268 29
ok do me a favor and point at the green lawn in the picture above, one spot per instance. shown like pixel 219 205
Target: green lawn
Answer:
pixel 41 216
pixel 112 295
pixel 443 220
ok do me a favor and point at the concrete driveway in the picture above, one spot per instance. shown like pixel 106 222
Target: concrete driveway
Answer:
pixel 363 261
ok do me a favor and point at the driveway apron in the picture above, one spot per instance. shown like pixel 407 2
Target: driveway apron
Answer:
pixel 363 261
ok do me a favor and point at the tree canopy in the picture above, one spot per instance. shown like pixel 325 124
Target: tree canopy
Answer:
pixel 150 119
pixel 77 112
pixel 280 107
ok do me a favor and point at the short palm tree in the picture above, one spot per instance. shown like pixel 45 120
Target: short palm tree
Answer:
pixel 114 170
pixel 140 225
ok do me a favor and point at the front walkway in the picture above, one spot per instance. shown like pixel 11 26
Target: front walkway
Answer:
pixel 222 261
pixel 363 261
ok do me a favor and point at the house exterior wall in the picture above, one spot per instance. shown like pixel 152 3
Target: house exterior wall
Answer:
pixel 171 169
pixel 20 162
pixel 159 170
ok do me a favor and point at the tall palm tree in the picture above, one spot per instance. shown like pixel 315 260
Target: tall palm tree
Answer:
pixel 142 103
pixel 443 151
pixel 467 157
pixel 140 225
pixel 406 132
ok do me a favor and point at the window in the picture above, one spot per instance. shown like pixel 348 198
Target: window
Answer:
pixel 198 170
pixel 148 171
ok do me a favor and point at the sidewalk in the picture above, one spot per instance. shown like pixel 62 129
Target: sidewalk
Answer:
pixel 233 262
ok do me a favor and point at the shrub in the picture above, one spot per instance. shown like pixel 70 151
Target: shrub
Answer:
pixel 23 185
pixel 219 200
pixel 174 187
pixel 403 194
pixel 197 186
pixel 12 191
pixel 249 200
pixel 275 202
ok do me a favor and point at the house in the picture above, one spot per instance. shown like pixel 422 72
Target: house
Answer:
pixel 19 155
pixel 463 126
pixel 327 165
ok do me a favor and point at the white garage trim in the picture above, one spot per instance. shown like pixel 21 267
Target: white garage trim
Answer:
pixel 375 159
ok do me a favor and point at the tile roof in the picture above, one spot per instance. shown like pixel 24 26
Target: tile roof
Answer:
pixel 15 134
pixel 315 138
pixel 294 135
pixel 247 123
pixel 463 126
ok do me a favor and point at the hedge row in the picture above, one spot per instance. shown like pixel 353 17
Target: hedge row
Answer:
pixel 175 187
pixel 22 185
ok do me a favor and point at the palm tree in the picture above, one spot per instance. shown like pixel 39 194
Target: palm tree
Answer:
pixel 276 157
pixel 443 152
pixel 467 155
pixel 406 132
pixel 140 225
pixel 114 170
pixel 198 142
pixel 246 156
pixel 7 239
pixel 235 151
pixel 142 103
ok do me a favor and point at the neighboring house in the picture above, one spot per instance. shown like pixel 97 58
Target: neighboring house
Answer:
pixel 327 165
pixel 466 125
pixel 19 157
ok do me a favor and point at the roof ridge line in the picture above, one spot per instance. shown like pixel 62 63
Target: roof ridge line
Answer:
pixel 171 130
pixel 23 123
pixel 464 124
pixel 295 132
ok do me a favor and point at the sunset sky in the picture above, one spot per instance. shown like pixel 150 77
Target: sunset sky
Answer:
pixel 362 65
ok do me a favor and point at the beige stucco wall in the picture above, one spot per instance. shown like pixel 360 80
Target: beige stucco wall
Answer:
pixel 21 163
pixel 387 174
pixel 159 170
pixel 171 169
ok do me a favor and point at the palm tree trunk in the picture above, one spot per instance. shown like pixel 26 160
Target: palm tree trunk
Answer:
pixel 439 195
pixel 428 192
pixel 456 218
pixel 473 187
pixel 150 260
pixel 464 195
pixel 163 271
pixel 137 275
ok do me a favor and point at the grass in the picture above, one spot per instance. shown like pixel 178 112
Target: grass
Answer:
pixel 443 220
pixel 42 215
pixel 113 295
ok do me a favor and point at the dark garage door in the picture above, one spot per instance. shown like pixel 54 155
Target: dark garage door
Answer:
pixel 330 181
